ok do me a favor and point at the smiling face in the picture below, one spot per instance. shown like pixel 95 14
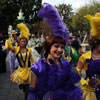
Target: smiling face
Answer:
pixel 53 47
pixel 23 42
pixel 56 51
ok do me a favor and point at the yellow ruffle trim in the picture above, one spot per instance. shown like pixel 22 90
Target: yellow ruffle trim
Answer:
pixel 88 95
pixel 21 76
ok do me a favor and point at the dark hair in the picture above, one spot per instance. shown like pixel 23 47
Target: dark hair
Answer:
pixel 94 41
pixel 50 41
pixel 75 44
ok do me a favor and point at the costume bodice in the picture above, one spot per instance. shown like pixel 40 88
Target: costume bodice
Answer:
pixel 93 67
pixel 93 73
pixel 24 58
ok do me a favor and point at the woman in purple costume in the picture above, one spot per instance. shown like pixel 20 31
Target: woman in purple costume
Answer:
pixel 52 78
pixel 93 71
pixel 90 61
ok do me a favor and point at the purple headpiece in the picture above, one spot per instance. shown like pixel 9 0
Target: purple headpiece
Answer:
pixel 52 17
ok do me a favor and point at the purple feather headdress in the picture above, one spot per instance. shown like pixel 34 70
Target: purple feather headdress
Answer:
pixel 50 14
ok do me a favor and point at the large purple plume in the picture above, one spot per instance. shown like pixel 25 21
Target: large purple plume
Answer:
pixel 52 17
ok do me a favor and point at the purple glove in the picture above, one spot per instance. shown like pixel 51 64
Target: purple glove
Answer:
pixel 32 95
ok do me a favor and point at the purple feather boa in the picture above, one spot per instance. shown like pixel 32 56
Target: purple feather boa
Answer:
pixel 54 82
pixel 52 17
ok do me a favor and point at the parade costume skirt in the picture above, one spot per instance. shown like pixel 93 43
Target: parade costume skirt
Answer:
pixel 21 76
pixel 89 95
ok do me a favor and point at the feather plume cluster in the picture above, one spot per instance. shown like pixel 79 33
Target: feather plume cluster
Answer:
pixel 24 30
pixel 95 23
pixel 50 14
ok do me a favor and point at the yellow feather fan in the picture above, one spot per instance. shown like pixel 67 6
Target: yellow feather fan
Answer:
pixel 24 30
pixel 95 23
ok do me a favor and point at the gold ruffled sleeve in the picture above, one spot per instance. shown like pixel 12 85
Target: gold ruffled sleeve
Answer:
pixel 10 46
pixel 83 58
pixel 6 44
pixel 84 83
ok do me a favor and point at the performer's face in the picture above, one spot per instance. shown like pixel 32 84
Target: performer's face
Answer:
pixel 56 50
pixel 13 35
pixel 98 48
pixel 23 42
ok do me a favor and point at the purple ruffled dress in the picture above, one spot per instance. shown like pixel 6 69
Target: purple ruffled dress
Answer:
pixel 56 82
pixel 93 73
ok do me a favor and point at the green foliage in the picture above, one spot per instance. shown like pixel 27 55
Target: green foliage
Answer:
pixel 2 5
pixel 66 13
pixel 79 22
pixel 10 8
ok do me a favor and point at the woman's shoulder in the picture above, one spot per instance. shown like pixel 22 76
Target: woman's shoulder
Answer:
pixel 64 61
pixel 29 49
pixel 40 61
pixel 86 55
pixel 39 64
pixel 17 48
pixel 66 64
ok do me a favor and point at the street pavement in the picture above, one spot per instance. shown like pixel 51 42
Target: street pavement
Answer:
pixel 9 90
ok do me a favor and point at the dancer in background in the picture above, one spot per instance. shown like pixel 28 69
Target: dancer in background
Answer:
pixel 13 62
pixel 52 78
pixel 72 51
pixel 90 62
pixel 77 52
pixel 31 44
pixel 21 76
